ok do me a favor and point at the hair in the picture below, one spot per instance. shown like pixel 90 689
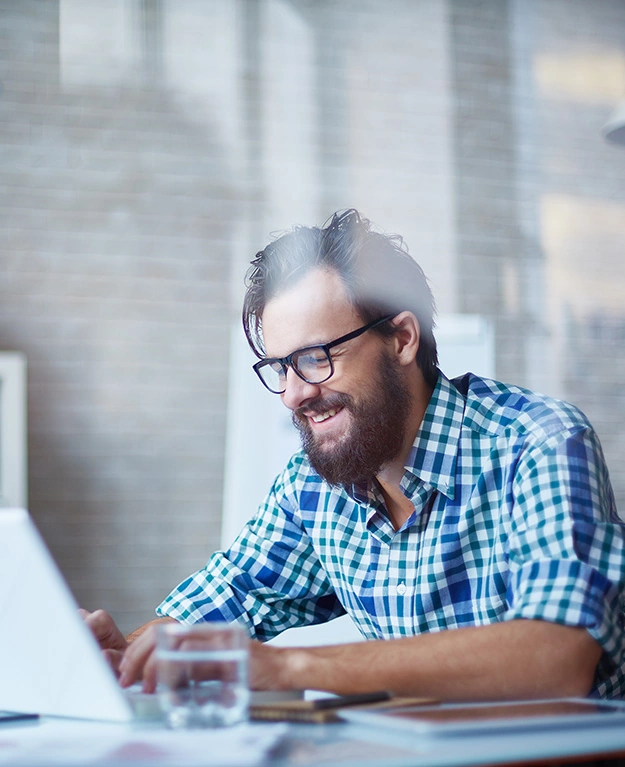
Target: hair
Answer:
pixel 379 275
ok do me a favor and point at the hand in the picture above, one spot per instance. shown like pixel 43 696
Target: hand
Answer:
pixel 139 661
pixel 109 637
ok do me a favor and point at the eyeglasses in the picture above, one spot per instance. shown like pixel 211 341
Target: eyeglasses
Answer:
pixel 312 364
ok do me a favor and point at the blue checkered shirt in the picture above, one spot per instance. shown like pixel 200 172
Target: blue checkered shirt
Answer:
pixel 514 518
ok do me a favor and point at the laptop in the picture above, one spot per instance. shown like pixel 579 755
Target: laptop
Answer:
pixel 50 663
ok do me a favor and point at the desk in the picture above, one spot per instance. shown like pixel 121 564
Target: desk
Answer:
pixel 80 744
pixel 345 746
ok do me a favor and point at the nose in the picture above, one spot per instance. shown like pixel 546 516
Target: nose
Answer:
pixel 297 391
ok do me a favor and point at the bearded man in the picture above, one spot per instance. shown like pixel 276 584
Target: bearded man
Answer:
pixel 467 527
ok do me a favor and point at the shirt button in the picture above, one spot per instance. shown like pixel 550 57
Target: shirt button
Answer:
pixel 401 589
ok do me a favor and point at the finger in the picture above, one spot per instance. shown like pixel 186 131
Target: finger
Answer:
pixel 113 658
pixel 150 674
pixel 136 656
pixel 98 623
pixel 105 630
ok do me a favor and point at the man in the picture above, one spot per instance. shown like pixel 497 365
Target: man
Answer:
pixel 468 527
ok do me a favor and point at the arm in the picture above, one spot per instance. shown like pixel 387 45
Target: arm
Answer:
pixel 514 660
pixel 269 580
pixel 271 577
pixel 566 558
pixel 527 654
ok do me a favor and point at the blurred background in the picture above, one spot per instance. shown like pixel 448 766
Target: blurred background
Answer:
pixel 149 148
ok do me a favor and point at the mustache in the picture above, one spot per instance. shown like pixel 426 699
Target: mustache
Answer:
pixel 321 405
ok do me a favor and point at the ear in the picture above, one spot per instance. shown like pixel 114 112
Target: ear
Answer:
pixel 406 339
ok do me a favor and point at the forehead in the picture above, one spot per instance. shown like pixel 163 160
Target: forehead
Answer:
pixel 315 310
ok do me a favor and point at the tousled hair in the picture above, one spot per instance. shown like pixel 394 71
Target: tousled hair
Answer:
pixel 380 278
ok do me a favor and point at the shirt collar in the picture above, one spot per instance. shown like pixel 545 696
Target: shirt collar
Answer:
pixel 432 458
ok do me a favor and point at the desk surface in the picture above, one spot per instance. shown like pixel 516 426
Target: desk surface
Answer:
pixel 353 745
pixel 86 744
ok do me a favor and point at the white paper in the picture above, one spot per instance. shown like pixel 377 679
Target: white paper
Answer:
pixel 64 742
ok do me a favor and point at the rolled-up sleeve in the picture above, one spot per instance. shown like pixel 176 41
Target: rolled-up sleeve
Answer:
pixel 270 579
pixel 567 546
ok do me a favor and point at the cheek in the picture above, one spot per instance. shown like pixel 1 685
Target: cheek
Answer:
pixel 355 375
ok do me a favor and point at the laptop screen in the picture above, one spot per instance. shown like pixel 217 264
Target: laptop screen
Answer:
pixel 49 661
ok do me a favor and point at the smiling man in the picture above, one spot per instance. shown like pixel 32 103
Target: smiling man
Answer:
pixel 468 527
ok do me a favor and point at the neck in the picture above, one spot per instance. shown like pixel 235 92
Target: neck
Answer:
pixel 391 473
pixel 399 507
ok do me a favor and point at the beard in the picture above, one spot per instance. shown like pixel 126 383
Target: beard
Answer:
pixel 376 433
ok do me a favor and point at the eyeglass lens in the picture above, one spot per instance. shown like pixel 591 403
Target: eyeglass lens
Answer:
pixel 312 364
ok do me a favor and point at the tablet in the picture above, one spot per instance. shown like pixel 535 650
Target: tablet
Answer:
pixel 449 719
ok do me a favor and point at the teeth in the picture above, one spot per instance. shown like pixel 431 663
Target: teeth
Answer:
pixel 319 417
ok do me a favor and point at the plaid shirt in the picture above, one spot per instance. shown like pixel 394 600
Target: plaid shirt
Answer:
pixel 514 518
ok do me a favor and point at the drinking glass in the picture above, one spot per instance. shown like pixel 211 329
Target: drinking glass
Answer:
pixel 203 674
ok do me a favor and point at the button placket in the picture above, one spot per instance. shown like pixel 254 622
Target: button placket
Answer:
pixel 399 588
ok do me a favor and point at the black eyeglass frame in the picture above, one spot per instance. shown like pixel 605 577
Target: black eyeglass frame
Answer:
pixel 287 362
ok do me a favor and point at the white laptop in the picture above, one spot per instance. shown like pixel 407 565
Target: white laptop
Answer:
pixel 50 663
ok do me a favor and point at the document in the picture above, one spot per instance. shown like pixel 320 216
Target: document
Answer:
pixel 69 743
